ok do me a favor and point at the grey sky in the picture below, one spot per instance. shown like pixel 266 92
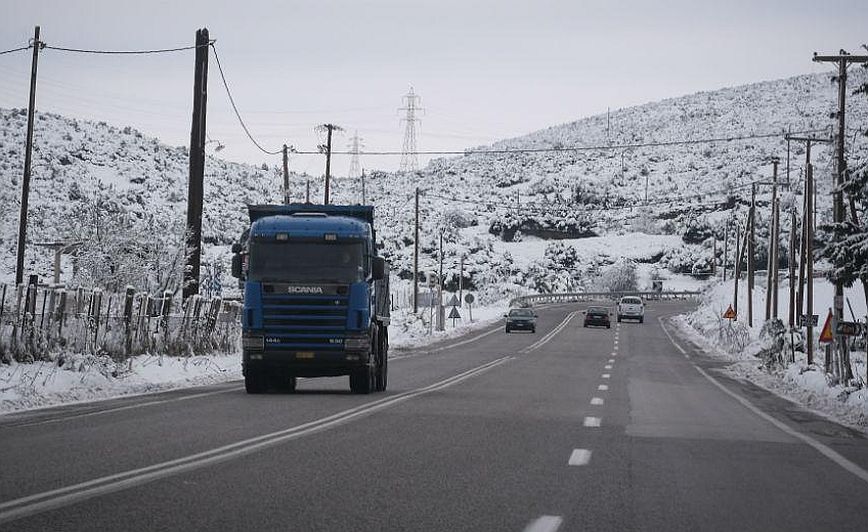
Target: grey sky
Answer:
pixel 485 70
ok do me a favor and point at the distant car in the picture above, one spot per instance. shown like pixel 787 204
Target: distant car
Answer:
pixel 631 307
pixel 520 319
pixel 597 316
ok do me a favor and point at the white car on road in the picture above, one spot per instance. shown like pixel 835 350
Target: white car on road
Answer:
pixel 631 308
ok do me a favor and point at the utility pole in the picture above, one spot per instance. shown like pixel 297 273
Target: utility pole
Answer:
pixel 772 248
pixel 195 187
pixel 843 60
pixel 750 254
pixel 286 151
pixel 776 261
pixel 806 265
pixel 364 196
pixel 461 281
pixel 28 151
pixel 725 248
pixel 327 149
pixel 792 266
pixel 736 274
pixel 440 314
pixel 416 259
pixel 307 191
pixel 714 257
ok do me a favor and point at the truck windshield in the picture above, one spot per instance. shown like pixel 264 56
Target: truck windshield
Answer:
pixel 306 261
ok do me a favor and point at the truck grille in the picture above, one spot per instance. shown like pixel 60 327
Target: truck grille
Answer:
pixel 304 322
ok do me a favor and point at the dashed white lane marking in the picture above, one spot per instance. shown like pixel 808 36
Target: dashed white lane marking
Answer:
pixel 591 421
pixel 602 387
pixel 596 401
pixel 606 375
pixel 546 523
pixel 819 447
pixel 580 457
pixel 607 366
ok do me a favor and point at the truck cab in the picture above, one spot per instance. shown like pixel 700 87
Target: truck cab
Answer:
pixel 315 297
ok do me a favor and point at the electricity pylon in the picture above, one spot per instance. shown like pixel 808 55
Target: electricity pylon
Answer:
pixel 409 160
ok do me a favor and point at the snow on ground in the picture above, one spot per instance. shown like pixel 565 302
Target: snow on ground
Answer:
pixel 634 246
pixel 72 379
pixel 806 385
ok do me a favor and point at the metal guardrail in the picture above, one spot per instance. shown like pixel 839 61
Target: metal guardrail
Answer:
pixel 576 297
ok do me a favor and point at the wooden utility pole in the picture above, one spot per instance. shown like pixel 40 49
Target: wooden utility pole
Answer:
pixel 725 248
pixel 307 191
pixel 843 60
pixel 773 244
pixel 440 314
pixel 792 267
pixel 327 149
pixel 285 174
pixel 809 261
pixel 776 261
pixel 28 152
pixel 739 257
pixel 751 245
pixel 416 259
pixel 714 257
pixel 195 186
pixel 364 196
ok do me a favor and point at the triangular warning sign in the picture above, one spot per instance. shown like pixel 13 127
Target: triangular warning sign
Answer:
pixel 454 313
pixel 826 333
pixel 454 301
pixel 729 314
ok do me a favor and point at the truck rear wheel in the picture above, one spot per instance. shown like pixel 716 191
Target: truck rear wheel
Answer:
pixel 254 382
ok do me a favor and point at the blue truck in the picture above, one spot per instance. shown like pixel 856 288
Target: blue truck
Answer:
pixel 316 297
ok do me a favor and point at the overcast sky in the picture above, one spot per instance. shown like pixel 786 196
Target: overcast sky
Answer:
pixel 485 70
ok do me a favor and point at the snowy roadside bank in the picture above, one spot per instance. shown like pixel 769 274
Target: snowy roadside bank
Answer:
pixel 70 379
pixel 803 384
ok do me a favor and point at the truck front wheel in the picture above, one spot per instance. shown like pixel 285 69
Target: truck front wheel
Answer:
pixel 254 382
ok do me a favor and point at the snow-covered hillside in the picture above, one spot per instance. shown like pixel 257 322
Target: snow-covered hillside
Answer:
pixel 479 202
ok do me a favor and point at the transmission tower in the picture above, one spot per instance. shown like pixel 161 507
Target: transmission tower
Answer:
pixel 355 147
pixel 409 160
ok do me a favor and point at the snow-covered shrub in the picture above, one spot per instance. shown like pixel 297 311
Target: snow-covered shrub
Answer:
pixel 619 277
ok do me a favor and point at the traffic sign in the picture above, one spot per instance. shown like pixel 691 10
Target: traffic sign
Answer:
pixel 469 299
pixel 453 301
pixel 849 328
pixel 803 320
pixel 730 313
pixel 826 333
pixel 453 314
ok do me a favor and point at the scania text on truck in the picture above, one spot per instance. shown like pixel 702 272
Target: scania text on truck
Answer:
pixel 316 296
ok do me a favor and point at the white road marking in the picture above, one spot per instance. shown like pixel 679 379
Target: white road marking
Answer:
pixel 591 421
pixel 602 387
pixel 596 401
pixel 545 339
pixel 60 497
pixel 606 375
pixel 127 407
pixel 825 450
pixel 607 366
pixel 546 523
pixel 580 457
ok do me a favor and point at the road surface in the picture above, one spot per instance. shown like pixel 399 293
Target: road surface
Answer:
pixel 566 429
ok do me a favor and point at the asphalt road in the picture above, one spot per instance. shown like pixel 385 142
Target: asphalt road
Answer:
pixel 566 429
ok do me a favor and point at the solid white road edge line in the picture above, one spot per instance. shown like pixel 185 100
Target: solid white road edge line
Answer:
pixel 579 457
pixel 823 449
pixel 49 500
pixel 122 408
pixel 546 523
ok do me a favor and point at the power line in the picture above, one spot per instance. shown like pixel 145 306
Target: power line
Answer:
pixel 235 108
pixel 656 144
pixel 4 52
pixel 122 52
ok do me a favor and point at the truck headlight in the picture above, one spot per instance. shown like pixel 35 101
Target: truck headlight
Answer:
pixel 253 343
pixel 356 343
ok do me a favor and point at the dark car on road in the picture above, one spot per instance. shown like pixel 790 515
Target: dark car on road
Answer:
pixel 520 319
pixel 598 316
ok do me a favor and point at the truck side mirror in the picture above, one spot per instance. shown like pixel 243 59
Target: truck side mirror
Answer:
pixel 378 268
pixel 236 248
pixel 237 263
